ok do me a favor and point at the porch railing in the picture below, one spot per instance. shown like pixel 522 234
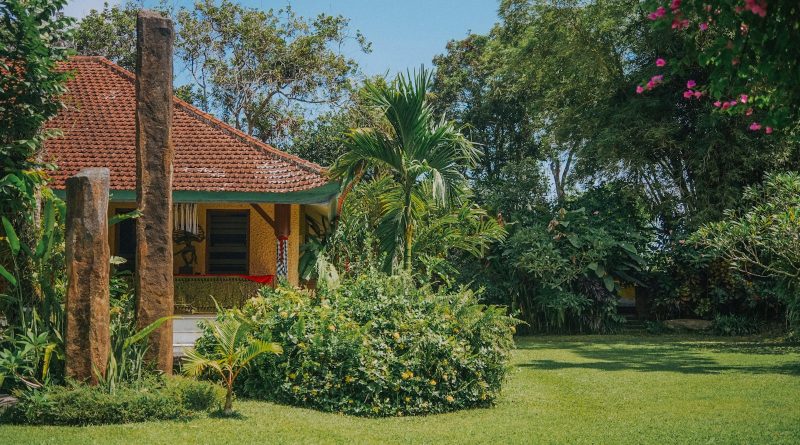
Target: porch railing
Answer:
pixel 195 294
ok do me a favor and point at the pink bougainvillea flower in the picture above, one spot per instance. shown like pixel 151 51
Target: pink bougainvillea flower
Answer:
pixel 639 89
pixel 743 98
pixel 660 62
pixel 768 130
pixel 698 94
pixel 717 104
pixel 744 28
pixel 675 5
pixel 757 7
pixel 688 94
pixel 755 126
pixel 726 105
pixel 650 85
pixel 657 78
pixel 678 23
pixel 657 14
pixel 732 103
pixel 703 26
pixel 749 112
pixel 691 84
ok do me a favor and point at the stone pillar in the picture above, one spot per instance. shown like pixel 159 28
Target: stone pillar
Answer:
pixel 282 231
pixel 87 342
pixel 154 154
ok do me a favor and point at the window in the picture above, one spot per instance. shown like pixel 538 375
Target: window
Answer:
pixel 126 241
pixel 227 243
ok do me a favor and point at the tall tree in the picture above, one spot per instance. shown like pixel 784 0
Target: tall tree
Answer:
pixel 32 39
pixel 424 158
pixel 495 114
pixel 110 32
pixel 259 69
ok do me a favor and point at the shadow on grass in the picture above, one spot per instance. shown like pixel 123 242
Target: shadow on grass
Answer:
pixel 219 414
pixel 661 356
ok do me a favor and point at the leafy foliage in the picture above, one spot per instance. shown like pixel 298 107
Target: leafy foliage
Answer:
pixel 762 240
pixel 110 32
pixel 259 68
pixel 227 352
pixel 571 262
pixel 78 404
pixel 419 158
pixel 377 345
pixel 746 48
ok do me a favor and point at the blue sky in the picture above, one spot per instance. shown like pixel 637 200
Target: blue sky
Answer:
pixel 404 33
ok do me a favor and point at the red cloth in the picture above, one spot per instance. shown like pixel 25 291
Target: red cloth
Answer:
pixel 262 279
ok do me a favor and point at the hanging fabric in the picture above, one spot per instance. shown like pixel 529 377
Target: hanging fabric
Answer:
pixel 185 217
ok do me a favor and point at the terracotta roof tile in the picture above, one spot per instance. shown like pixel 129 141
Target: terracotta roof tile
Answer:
pixel 98 125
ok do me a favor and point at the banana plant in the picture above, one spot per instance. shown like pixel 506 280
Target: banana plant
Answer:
pixel 231 351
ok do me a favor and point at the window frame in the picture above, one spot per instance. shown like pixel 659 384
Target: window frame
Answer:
pixel 209 233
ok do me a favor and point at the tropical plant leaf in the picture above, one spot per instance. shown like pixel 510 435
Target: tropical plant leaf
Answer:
pixel 8 276
pixel 145 331
pixel 118 218
pixel 11 236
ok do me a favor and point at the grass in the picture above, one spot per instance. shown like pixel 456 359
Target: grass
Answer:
pixel 588 389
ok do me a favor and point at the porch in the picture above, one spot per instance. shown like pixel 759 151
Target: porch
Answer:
pixel 224 252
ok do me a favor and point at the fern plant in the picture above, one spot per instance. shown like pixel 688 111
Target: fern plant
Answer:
pixel 230 351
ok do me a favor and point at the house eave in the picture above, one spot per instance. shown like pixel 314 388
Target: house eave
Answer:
pixel 317 195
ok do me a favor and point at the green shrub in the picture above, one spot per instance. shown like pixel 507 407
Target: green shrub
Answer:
pixel 735 325
pixel 377 346
pixel 196 395
pixel 79 404
pixel 656 327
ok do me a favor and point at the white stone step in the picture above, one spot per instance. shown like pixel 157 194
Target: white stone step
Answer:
pixel 186 331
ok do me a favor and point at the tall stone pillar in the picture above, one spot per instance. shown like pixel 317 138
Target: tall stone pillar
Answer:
pixel 154 154
pixel 87 342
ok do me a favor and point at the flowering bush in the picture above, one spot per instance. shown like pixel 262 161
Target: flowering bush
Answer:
pixel 747 48
pixel 377 346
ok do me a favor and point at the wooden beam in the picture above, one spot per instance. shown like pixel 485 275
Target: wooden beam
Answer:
pixel 263 214
pixel 282 219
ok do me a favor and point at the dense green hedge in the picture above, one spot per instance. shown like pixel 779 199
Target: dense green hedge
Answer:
pixel 378 346
pixel 78 404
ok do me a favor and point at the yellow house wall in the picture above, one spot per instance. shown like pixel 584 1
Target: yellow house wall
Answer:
pixel 262 257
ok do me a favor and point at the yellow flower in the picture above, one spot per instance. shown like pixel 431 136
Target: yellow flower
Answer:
pixel 407 375
pixel 450 399
pixel 432 382
pixel 396 336
pixel 348 379
pixel 444 376
pixel 513 330
pixel 292 376
pixel 331 327
pixel 407 399
pixel 284 314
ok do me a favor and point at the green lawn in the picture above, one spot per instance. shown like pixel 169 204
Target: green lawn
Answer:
pixel 588 389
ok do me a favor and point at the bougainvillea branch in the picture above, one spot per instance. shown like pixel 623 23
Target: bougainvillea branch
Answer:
pixel 748 49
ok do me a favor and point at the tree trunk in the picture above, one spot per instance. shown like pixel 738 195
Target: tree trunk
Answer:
pixel 228 410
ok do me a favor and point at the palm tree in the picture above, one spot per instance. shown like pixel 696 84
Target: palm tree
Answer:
pixel 413 149
pixel 231 351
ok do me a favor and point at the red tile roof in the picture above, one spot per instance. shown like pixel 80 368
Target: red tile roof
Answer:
pixel 98 125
